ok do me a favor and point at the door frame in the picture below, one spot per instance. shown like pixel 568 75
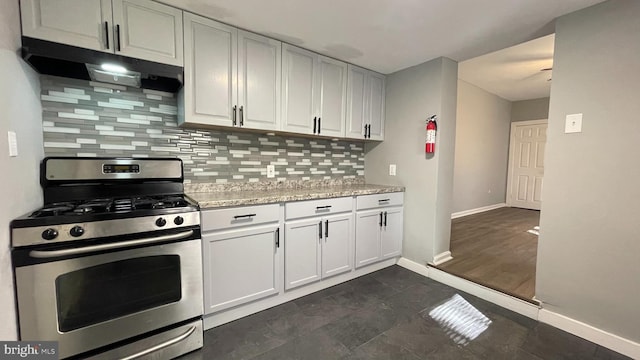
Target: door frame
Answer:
pixel 512 135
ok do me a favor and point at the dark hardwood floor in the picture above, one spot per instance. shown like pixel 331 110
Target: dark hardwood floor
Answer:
pixel 494 249
pixel 392 314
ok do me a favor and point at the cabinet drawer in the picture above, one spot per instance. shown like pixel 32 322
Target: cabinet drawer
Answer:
pixel 379 200
pixel 300 209
pixel 239 216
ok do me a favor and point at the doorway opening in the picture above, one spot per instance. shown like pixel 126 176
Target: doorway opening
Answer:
pixel 503 100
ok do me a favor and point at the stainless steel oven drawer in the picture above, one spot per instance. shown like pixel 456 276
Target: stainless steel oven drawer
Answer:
pixel 166 345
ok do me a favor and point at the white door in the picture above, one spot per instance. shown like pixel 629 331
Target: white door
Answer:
pixel 391 235
pixel 356 103
pixel 259 68
pixel 299 71
pixel 336 257
pixel 368 237
pixel 148 30
pixel 376 88
pixel 331 96
pixel 302 254
pixel 209 92
pixel 59 21
pixel 239 266
pixel 526 163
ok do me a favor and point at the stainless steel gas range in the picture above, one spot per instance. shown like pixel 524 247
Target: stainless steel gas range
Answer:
pixel 111 266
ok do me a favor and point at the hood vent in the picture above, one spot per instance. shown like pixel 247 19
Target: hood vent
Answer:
pixel 56 59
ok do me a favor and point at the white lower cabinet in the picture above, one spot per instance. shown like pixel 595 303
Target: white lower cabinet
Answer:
pixel 241 264
pixel 378 230
pixel 317 248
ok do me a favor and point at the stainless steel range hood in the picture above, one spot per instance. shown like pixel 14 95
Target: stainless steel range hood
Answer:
pixel 56 59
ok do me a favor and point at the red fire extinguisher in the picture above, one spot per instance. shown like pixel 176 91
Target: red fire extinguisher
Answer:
pixel 430 145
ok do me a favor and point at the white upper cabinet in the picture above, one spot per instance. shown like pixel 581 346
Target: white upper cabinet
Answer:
pixel 365 104
pixel 232 77
pixel 298 106
pixel 259 78
pixel 210 71
pixel 148 30
pixel 314 93
pixel 332 92
pixel 140 29
pixel 83 23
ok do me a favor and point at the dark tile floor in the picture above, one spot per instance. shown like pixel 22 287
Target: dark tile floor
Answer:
pixel 388 315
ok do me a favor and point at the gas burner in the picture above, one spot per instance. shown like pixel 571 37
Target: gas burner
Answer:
pixel 160 202
pixel 93 206
pixel 54 209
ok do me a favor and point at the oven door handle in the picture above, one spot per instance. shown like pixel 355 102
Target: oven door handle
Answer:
pixel 87 249
pixel 162 345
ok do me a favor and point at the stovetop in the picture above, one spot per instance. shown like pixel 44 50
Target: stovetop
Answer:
pixel 117 205
pixel 106 209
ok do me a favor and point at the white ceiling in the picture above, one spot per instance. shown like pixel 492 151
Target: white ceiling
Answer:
pixel 513 73
pixel 390 35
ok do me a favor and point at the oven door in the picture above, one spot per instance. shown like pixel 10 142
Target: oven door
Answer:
pixel 87 302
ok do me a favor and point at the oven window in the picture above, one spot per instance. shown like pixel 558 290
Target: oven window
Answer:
pixel 104 292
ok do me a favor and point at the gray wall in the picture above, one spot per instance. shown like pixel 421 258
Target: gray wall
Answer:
pixel 535 109
pixel 482 148
pixel 83 118
pixel 589 247
pixel 19 112
pixel 412 95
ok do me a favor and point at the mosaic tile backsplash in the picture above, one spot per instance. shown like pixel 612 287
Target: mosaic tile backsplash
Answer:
pixel 82 118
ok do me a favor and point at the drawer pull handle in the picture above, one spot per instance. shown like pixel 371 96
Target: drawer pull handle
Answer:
pixel 244 216
pixel 326 207
pixel 384 200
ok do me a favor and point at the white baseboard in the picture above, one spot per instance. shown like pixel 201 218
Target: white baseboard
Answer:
pixel 442 258
pixel 506 301
pixel 593 334
pixel 414 266
pixel 458 214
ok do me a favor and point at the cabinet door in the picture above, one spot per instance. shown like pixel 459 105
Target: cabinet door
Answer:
pixel 302 256
pixel 210 72
pixel 376 88
pixel 367 237
pixel 149 30
pixel 391 236
pixel 299 72
pixel 331 96
pixel 82 23
pixel 240 266
pixel 259 77
pixel 336 245
pixel 357 83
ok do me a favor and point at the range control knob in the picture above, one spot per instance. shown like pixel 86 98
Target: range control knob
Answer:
pixel 178 220
pixel 161 222
pixel 50 234
pixel 76 231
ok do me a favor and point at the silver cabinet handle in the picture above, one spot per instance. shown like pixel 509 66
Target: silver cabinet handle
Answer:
pixel 235 108
pixel 87 249
pixel 241 115
pixel 162 345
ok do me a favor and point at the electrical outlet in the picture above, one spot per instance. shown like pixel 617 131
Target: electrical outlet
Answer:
pixel 271 171
pixel 13 143
pixel 392 169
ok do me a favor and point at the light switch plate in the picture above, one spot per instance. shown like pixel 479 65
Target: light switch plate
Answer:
pixel 573 123
pixel 13 143
pixel 392 169
pixel 271 171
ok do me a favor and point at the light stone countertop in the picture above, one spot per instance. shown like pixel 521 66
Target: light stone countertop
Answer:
pixel 210 200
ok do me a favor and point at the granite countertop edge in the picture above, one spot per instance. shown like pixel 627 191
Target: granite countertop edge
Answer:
pixel 213 200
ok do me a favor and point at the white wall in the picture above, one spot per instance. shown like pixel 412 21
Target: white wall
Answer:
pixel 20 111
pixel 589 247
pixel 534 109
pixel 412 95
pixel 482 148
